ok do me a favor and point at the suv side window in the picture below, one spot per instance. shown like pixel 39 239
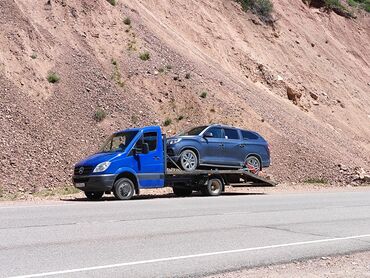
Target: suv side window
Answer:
pixel 216 131
pixel 151 139
pixel 249 135
pixel 231 133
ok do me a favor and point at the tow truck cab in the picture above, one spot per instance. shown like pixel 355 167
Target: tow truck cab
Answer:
pixel 135 153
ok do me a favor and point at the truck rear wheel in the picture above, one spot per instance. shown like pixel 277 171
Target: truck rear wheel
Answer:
pixel 182 191
pixel 123 189
pixel 213 187
pixel 94 196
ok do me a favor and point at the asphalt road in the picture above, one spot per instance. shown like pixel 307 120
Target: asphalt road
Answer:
pixel 170 237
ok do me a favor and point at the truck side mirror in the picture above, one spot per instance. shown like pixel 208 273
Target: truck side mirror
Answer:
pixel 145 148
pixel 208 134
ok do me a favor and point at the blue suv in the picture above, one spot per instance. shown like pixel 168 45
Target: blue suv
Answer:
pixel 218 146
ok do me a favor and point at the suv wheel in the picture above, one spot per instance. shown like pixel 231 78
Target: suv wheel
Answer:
pixel 188 160
pixel 253 164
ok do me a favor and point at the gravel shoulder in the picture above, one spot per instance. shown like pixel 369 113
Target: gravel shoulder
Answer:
pixel 68 193
pixel 354 265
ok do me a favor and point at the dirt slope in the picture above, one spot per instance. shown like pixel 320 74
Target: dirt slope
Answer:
pixel 244 66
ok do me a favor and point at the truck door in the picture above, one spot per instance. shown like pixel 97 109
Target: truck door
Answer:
pixel 150 166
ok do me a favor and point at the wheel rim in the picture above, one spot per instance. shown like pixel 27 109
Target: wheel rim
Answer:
pixel 215 186
pixel 125 189
pixel 188 160
pixel 253 164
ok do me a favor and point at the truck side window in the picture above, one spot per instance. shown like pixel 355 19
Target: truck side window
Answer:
pixel 151 139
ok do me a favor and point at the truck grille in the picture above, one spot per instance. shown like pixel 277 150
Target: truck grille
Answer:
pixel 87 170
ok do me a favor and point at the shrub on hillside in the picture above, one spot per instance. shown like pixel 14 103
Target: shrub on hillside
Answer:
pixel 112 2
pixel 53 77
pixel 167 122
pixel 145 56
pixel 363 4
pixel 100 115
pixel 262 8
pixel 127 21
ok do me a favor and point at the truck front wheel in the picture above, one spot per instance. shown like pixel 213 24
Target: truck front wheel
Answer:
pixel 124 189
pixel 94 196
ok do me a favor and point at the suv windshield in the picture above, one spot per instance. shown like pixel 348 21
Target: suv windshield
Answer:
pixel 194 131
pixel 118 142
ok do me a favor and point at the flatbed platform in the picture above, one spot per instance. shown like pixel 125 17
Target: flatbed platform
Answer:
pixel 238 177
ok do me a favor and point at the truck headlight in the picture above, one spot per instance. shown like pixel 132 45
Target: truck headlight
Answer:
pixel 173 141
pixel 101 167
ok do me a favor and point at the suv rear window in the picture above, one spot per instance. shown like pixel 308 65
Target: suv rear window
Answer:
pixel 231 133
pixel 249 135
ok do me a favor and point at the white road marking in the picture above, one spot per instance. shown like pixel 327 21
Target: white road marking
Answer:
pixel 188 256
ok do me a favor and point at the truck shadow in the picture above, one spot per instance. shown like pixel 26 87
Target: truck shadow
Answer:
pixel 163 196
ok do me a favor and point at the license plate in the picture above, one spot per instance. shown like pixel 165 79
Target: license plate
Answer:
pixel 79 185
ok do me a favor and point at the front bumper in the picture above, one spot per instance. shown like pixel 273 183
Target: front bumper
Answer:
pixel 94 183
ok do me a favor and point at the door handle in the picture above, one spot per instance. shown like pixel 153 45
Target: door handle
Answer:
pixel 221 145
pixel 156 157
pixel 242 145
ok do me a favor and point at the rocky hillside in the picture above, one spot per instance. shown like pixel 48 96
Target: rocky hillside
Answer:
pixel 73 71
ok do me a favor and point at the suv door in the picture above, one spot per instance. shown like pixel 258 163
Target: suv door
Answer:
pixel 213 148
pixel 233 147
pixel 150 166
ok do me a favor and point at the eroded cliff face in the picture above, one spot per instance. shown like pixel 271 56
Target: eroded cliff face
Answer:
pixel 303 83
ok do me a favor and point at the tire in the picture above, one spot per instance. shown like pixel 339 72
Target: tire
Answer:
pixel 253 164
pixel 188 160
pixel 123 189
pixel 213 187
pixel 182 191
pixel 94 196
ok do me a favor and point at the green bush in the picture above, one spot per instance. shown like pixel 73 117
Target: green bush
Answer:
pixel 363 4
pixel 167 122
pixel 145 56
pixel 181 117
pixel 127 21
pixel 112 2
pixel 262 8
pixel 203 95
pixel 100 115
pixel 53 77
pixel 34 56
pixel 331 4
pixel 316 180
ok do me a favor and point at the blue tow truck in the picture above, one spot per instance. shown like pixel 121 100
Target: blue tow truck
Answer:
pixel 136 158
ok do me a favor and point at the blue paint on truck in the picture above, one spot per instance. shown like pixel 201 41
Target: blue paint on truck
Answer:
pixel 122 155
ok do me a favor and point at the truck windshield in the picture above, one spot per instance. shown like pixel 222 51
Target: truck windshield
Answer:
pixel 194 131
pixel 118 142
